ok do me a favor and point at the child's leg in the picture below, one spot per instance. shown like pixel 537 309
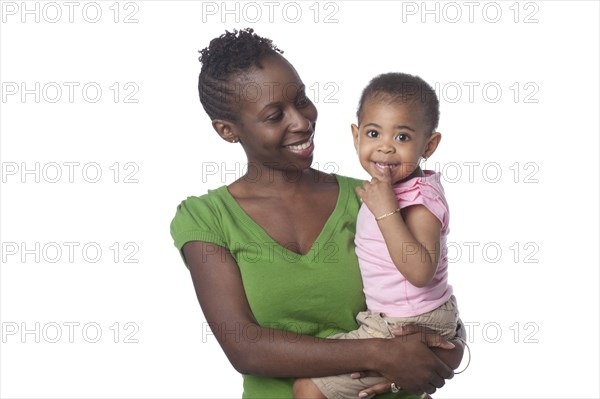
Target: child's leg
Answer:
pixel 304 388
pixel 344 386
pixel 442 320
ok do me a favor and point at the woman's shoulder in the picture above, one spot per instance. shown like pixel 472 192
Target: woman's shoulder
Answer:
pixel 348 199
pixel 350 181
pixel 212 198
pixel 201 213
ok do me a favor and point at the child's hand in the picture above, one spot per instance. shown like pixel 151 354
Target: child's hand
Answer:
pixel 378 194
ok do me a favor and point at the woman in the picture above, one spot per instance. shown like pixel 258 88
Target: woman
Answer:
pixel 272 255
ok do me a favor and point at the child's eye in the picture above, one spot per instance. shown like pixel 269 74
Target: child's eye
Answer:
pixel 372 133
pixel 402 137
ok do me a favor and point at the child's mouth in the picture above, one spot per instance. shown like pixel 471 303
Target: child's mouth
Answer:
pixel 382 166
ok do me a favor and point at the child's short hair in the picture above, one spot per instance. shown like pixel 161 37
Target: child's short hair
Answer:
pixel 396 87
pixel 225 57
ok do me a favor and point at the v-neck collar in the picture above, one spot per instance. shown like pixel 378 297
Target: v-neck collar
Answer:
pixel 324 234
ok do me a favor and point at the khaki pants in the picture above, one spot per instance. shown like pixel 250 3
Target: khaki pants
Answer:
pixel 442 320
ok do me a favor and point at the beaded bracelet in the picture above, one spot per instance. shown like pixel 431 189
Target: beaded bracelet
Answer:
pixel 378 218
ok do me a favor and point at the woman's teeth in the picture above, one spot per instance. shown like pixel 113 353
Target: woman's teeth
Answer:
pixel 300 147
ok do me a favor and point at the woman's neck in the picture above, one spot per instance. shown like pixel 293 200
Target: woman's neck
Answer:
pixel 284 183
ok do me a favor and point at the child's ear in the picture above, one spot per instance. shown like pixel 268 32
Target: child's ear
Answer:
pixel 432 144
pixel 355 135
pixel 225 129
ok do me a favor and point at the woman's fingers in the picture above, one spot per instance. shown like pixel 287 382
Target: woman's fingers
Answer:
pixel 375 390
pixel 437 381
pixel 419 370
pixel 437 341
pixel 363 374
pixel 406 330
pixel 428 336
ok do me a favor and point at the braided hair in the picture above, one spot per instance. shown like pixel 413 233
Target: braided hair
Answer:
pixel 226 57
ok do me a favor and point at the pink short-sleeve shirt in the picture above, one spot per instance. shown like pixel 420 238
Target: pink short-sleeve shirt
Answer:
pixel 386 290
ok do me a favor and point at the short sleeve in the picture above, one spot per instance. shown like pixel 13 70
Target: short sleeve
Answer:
pixel 197 219
pixel 426 191
pixel 352 182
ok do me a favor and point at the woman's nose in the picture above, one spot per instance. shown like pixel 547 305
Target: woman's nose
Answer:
pixel 301 122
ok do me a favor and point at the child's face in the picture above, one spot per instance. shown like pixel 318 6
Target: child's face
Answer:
pixel 393 136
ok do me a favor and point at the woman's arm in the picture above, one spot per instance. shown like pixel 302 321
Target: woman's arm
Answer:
pixel 218 284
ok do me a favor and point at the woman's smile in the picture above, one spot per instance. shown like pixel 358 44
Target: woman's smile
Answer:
pixel 303 148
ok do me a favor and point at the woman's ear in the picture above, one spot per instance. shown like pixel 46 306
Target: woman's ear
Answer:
pixel 226 130
pixel 432 144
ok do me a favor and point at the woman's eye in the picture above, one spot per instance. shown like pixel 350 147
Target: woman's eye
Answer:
pixel 372 133
pixel 301 102
pixel 402 137
pixel 275 117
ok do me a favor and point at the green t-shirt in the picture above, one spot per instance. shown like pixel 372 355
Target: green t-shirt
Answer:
pixel 317 294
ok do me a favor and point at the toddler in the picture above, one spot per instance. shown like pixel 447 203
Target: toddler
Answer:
pixel 402 225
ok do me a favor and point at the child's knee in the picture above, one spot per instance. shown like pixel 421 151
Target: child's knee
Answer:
pixel 304 388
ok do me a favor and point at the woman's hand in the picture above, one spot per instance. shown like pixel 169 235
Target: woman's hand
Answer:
pixel 452 357
pixel 408 362
pixel 428 338
pixel 378 389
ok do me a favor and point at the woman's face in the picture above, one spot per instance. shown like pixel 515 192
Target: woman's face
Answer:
pixel 276 122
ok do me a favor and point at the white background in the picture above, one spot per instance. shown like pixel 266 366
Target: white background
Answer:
pixel 533 192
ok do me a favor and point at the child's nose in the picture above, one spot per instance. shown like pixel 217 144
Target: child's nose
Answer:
pixel 386 147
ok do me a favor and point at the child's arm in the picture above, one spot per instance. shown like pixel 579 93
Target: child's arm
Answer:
pixel 412 236
pixel 413 239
